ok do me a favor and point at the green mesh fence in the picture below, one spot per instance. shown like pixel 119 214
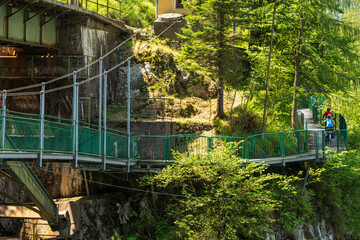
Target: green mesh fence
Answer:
pixel 58 137
pixel 190 145
pixel 23 134
pixel 154 147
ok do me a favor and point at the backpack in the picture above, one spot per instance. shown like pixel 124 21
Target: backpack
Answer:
pixel 329 123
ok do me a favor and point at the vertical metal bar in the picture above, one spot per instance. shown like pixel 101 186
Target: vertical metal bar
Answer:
pixel 104 122
pixel 100 104
pixel 282 148
pixel 209 144
pixel 3 124
pixel 76 124
pixel 323 142
pixel 42 110
pixel 167 149
pixel 247 150
pixel 337 140
pixel 74 111
pixel 128 111
pixel 316 135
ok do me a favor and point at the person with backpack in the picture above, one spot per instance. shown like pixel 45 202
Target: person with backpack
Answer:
pixel 327 113
pixel 329 122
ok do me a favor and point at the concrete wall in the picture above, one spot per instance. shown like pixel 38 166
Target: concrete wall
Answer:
pixel 146 128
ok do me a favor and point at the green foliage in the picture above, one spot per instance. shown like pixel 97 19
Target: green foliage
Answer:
pixel 224 199
pixel 242 122
pixel 337 194
pixel 135 13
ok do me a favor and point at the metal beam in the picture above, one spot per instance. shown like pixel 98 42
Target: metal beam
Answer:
pixel 53 18
pixel 41 12
pixel 31 185
pixel 12 14
pixel 5 3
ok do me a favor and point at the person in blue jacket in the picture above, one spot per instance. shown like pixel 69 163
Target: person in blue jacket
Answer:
pixel 329 122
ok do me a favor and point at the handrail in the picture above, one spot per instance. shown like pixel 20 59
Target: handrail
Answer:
pixel 22 134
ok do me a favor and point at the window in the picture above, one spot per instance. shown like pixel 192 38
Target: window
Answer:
pixel 179 4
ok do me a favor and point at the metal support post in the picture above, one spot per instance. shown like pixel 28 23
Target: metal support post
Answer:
pixel 104 122
pixel 128 114
pixel 42 110
pixel 75 120
pixel 76 124
pixel 246 150
pixel 100 96
pixel 316 140
pixel 209 144
pixel 3 123
pixel 323 143
pixel 282 148
pixel 167 149
pixel 74 110
pixel 337 132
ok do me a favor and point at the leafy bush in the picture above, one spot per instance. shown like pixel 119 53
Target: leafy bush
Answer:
pixel 224 199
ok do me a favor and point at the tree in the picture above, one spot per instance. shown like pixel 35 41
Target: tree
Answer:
pixel 268 71
pixel 311 52
pixel 209 42
pixel 223 198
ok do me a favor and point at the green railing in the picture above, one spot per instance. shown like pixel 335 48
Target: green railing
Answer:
pixel 23 134
pixel 339 119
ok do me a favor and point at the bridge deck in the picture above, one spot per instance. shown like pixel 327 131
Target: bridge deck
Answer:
pixel 84 146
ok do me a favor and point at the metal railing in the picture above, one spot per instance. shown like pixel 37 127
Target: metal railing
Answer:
pixel 107 8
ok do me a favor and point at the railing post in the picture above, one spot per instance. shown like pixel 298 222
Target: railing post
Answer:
pixel 3 123
pixel 323 143
pixel 76 124
pixel 42 110
pixel 316 139
pixel 246 150
pixel 209 144
pixel 74 111
pixel 104 122
pixel 100 98
pixel 337 140
pixel 346 140
pixel 75 121
pixel 128 113
pixel 298 141
pixel 167 149
pixel 282 148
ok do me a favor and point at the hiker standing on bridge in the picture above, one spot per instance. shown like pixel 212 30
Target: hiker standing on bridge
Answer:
pixel 327 113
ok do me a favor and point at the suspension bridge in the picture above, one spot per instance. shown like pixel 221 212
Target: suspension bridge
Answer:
pixel 41 138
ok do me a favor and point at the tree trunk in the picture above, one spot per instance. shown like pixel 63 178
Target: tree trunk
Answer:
pixel 294 121
pixel 268 71
pixel 221 41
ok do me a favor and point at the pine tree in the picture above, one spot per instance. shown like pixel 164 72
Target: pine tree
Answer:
pixel 210 43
